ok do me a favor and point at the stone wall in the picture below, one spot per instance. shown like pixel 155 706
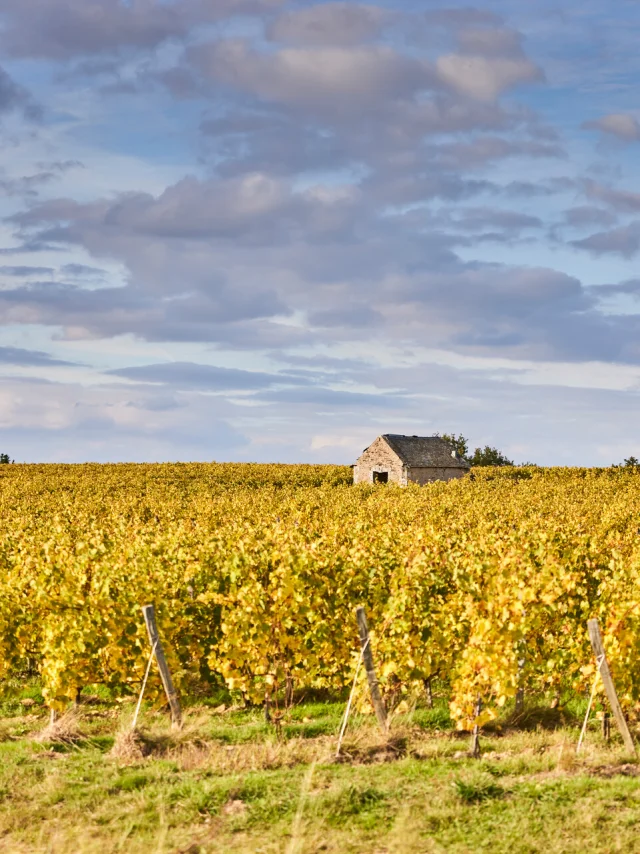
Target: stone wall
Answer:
pixel 379 457
pixel 428 475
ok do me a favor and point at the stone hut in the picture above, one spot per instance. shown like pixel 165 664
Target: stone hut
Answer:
pixel 408 459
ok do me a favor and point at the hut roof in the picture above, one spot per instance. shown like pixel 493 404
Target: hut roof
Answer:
pixel 425 451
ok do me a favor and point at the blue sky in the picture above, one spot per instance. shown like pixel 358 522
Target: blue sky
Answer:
pixel 272 230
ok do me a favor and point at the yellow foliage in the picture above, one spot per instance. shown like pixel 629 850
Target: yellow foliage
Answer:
pixel 255 572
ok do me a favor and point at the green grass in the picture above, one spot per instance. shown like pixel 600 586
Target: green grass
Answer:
pixel 228 784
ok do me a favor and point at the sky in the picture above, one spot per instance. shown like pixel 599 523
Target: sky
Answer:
pixel 271 230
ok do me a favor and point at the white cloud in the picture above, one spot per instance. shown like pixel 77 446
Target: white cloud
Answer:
pixel 485 78
pixel 621 125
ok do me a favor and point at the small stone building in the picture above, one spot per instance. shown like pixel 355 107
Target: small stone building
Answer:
pixel 408 459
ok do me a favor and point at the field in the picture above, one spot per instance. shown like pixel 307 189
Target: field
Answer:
pixel 474 590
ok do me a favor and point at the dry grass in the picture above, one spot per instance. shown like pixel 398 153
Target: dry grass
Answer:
pixel 417 791
pixel 130 746
pixel 65 730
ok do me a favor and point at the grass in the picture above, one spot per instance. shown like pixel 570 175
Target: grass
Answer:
pixel 226 783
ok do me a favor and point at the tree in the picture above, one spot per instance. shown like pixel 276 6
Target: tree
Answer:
pixel 629 463
pixel 4 458
pixel 489 456
pixel 460 444
pixel 486 456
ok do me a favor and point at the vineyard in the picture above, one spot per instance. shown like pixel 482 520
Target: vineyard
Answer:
pixel 255 571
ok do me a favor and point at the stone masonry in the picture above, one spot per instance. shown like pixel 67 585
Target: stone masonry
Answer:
pixel 408 459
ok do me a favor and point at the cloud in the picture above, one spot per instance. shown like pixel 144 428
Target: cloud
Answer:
pixel 254 208
pixel 188 375
pixel 588 215
pixel 329 78
pixel 24 271
pixel 489 41
pixel 621 125
pixel 14 97
pixel 29 358
pixel 623 241
pixel 64 29
pixel 334 23
pixel 69 422
pixel 485 78
pixel 480 219
pixel 253 263
pixel 31 185
pixel 462 16
pixel 624 201
pixel 483 150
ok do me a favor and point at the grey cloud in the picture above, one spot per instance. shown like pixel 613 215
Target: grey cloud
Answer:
pixel 205 315
pixel 399 276
pixel 624 241
pixel 486 149
pixel 329 79
pixel 59 166
pixel 254 208
pixel 625 201
pixel 62 29
pixel 159 403
pixel 189 375
pixel 13 96
pixel 29 358
pixel 486 77
pixel 81 270
pixel 527 189
pixel 205 427
pixel 334 23
pixel 355 315
pixel 110 423
pixel 326 397
pixel 25 271
pixel 621 125
pixel 279 144
pixel 462 16
pixel 27 185
pixel 489 41
pixel 31 245
pixel 588 215
pixel 407 187
pixel 479 219
pixel 290 388
pixel 385 141
pixel 629 288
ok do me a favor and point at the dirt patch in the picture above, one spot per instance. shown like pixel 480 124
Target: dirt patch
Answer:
pixel 629 769
pixel 366 754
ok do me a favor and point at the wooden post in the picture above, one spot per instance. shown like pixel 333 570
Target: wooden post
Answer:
pixel 165 674
pixel 429 689
pixel 596 642
pixel 475 741
pixel 606 726
pixel 519 706
pixel 367 657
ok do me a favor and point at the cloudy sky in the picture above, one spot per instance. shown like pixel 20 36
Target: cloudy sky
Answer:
pixel 271 230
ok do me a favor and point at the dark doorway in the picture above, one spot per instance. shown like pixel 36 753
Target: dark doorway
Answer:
pixel 381 477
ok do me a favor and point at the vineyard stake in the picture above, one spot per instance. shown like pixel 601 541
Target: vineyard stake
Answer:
pixel 596 642
pixel 165 674
pixel 475 741
pixel 367 657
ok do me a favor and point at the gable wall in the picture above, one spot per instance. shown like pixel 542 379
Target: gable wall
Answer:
pixel 379 457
